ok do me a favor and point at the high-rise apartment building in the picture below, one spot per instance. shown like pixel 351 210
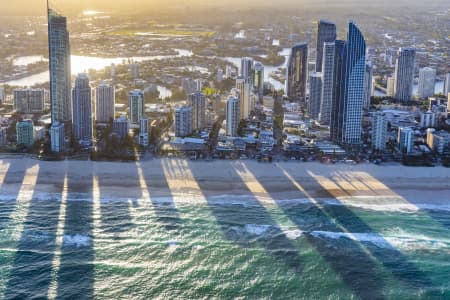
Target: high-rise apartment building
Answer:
pixel 198 103
pixel 326 33
pixel 232 115
pixel 144 132
pixel 246 71
pixel 368 85
pixel 405 139
pixel 183 121
pixel 245 99
pixel 297 73
pixel 25 133
pixel 104 103
pixel 379 131
pixel 29 101
pixel 404 74
pixel 327 83
pixel 348 107
pixel 60 72
pixel 136 106
pixel 82 109
pixel 258 81
pixel 315 90
pixel 427 81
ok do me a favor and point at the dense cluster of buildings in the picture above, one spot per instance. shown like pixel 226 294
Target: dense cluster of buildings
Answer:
pixel 329 104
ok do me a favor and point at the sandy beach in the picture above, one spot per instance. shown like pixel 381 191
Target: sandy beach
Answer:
pixel 183 180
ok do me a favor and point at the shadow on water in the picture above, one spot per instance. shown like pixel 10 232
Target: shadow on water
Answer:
pixel 354 263
pixel 440 215
pixel 9 191
pixel 76 272
pixel 249 225
pixel 161 197
pixel 117 193
pixel 31 273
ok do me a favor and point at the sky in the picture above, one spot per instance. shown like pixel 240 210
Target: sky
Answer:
pixel 37 7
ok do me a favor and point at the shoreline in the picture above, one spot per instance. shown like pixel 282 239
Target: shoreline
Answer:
pixel 179 179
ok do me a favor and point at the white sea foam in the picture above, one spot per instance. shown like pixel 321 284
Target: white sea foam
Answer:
pixel 402 241
pixel 293 234
pixel 77 240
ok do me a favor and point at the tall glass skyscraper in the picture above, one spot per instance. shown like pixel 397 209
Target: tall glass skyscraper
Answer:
pixel 327 93
pixel 59 56
pixel 297 73
pixel 404 74
pixel 326 33
pixel 82 109
pixel 349 102
pixel 337 109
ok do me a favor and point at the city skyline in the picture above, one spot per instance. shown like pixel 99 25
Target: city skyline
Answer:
pixel 225 150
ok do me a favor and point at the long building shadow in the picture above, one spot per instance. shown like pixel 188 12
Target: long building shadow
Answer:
pixel 117 192
pixel 249 224
pixel 161 197
pixel 31 273
pixel 354 262
pixel 76 273
pixel 10 188
pixel 441 215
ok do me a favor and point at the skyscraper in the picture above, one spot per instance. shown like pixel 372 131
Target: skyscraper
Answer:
pixel 244 88
pixel 247 69
pixel 232 116
pixel 297 72
pixel 137 106
pixel 197 101
pixel 82 109
pixel 337 109
pixel 427 81
pixel 368 84
pixel 258 80
pixel 327 83
pixel 326 33
pixel 59 62
pixel 104 103
pixel 349 104
pixel 315 90
pixel 404 74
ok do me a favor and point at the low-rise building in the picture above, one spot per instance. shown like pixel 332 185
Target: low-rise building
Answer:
pixel 25 133
pixel 438 141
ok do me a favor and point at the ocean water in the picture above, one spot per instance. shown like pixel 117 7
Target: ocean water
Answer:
pixel 226 247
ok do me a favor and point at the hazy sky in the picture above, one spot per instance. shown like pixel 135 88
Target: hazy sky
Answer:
pixel 37 7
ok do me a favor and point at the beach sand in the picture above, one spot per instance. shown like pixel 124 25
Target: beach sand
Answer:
pixel 375 187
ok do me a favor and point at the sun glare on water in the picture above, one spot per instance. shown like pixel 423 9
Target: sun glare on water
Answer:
pixel 91 12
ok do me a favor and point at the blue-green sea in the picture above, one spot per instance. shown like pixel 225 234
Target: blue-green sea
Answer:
pixel 137 250
pixel 168 229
